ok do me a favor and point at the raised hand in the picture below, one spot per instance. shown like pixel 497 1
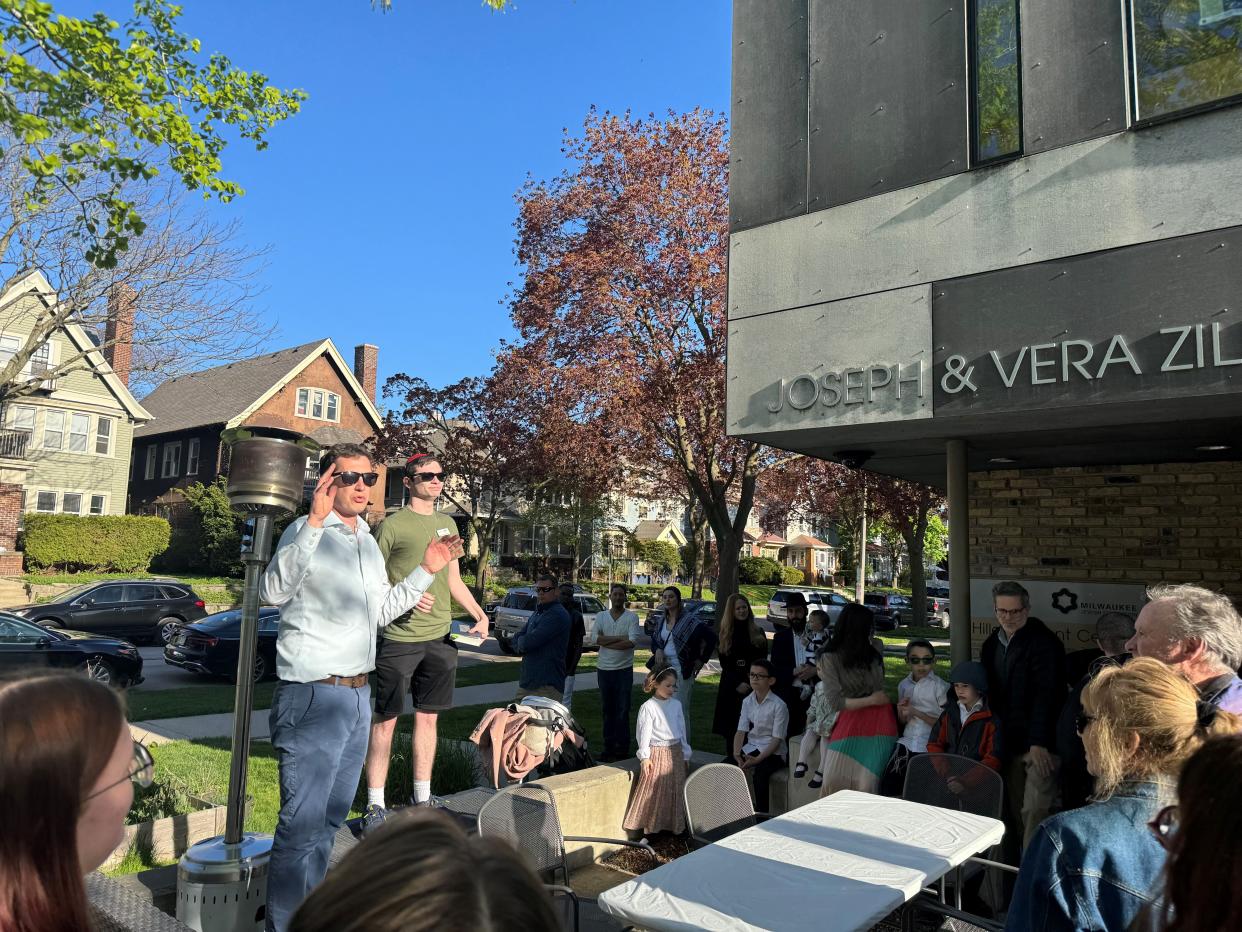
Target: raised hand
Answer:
pixel 440 553
pixel 322 498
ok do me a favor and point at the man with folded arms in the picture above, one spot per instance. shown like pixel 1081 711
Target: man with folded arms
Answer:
pixel 328 578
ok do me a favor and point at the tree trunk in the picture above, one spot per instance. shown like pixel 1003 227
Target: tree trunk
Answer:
pixel 701 550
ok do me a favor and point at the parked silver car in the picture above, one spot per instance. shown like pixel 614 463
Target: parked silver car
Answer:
pixel 828 602
pixel 519 604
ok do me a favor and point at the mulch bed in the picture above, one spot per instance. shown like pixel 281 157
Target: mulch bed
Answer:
pixel 666 845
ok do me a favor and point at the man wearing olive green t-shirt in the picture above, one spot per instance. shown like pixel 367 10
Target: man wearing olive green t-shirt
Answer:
pixel 416 654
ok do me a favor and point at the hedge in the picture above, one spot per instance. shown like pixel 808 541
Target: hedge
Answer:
pixel 792 576
pixel 759 570
pixel 101 543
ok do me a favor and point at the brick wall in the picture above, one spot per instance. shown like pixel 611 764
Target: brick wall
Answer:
pixel 1173 522
pixel 10 514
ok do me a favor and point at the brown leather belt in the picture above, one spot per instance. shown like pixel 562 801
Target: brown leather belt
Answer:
pixel 353 682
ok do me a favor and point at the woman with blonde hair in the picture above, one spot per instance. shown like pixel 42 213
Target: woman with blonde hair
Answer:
pixel 741 641
pixel 67 762
pixel 1098 867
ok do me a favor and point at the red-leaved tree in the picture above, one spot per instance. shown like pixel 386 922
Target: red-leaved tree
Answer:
pixel 624 296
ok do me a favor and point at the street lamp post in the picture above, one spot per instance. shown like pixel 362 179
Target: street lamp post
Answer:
pixel 222 881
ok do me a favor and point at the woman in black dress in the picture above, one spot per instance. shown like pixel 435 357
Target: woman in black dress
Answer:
pixel 741 641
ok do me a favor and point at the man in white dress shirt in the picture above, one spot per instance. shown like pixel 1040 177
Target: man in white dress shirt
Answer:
pixel 328 578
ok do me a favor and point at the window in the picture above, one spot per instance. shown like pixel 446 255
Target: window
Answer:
pixel 46 502
pixel 172 460
pixel 172 592
pixel 22 417
pixel 71 503
pixel 97 504
pixel 41 360
pixel 79 431
pixel 141 593
pixel 149 470
pixel 107 595
pixel 996 124
pixel 103 436
pixel 319 403
pixel 191 457
pixel 8 347
pixel 1187 54
pixel 53 430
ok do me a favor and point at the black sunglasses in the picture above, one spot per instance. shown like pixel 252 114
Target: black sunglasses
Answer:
pixel 429 476
pixel 351 478
pixel 920 661
pixel 544 588
pixel 142 771
pixel 1081 721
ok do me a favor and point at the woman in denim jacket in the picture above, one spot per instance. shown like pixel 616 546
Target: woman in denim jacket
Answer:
pixel 1099 866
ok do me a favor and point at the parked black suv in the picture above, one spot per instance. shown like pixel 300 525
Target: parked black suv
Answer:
pixel 134 609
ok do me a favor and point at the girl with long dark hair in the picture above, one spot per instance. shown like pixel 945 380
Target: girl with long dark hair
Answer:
pixel 852 671
pixel 66 765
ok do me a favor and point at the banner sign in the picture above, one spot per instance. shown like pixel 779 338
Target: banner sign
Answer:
pixel 1069 609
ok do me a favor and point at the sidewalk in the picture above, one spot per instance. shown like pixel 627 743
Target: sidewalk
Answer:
pixel 220 725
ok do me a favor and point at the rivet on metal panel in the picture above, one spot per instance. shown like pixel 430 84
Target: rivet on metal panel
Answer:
pixel 1058 275
pixel 878 181
pixel 879 38
pixel 1217 246
pixel 820 224
pixel 815 130
pixel 877 110
pixel 1038 64
pixel 942 15
pixel 1158 225
pixel 915 272
pixel 818 290
pixel 1037 139
pixel 1223 310
pixel 1025 251
pixel 820 317
pixel 816 62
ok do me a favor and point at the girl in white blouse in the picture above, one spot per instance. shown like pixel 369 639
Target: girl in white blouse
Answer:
pixel 664 752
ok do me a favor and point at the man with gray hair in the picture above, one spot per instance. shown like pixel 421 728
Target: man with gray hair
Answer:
pixel 1200 633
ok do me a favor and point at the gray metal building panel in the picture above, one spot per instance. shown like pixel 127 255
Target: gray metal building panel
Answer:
pixel 1157 322
pixel 1119 190
pixel 768 167
pixel 888 101
pixel 1074 71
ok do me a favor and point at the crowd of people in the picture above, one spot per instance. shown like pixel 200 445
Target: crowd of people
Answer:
pixel 1117 764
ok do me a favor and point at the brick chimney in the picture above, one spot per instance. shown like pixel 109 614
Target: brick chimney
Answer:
pixel 366 360
pixel 119 331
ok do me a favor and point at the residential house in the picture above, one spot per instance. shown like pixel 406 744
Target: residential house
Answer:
pixel 66 448
pixel 307 388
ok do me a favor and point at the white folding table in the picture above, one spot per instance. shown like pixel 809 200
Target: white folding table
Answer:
pixel 840 863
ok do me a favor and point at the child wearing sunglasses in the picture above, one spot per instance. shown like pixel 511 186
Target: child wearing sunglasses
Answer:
pixel 920 697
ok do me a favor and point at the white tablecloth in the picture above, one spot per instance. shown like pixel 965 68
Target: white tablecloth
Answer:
pixel 844 863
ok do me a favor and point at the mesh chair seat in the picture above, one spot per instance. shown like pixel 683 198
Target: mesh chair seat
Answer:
pixel 117 908
pixel 525 816
pixel 718 803
pixel 951 781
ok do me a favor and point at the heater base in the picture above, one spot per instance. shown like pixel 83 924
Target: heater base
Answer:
pixel 223 887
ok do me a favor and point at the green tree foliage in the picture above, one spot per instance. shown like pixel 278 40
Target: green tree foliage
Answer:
pixel 98 543
pixel 662 555
pixel 215 532
pixel 1187 53
pixel 935 541
pixel 760 571
pixel 98 104
pixel 792 576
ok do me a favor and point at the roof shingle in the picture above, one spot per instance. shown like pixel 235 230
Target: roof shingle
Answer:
pixel 215 396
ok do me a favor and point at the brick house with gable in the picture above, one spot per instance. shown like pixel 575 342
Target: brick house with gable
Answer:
pixel 307 388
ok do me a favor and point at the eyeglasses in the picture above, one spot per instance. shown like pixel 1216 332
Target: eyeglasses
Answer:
pixel 1164 826
pixel 142 772
pixel 760 676
pixel 1009 612
pixel 429 476
pixel 544 588
pixel 920 661
pixel 1081 721
pixel 351 478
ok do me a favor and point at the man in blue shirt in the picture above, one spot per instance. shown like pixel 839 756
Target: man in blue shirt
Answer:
pixel 328 578
pixel 543 643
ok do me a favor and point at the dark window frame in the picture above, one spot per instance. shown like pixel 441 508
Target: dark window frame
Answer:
pixel 972 60
pixel 1137 121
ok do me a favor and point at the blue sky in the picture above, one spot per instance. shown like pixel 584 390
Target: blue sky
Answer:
pixel 388 202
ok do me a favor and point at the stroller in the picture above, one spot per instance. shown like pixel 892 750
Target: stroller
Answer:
pixel 534 736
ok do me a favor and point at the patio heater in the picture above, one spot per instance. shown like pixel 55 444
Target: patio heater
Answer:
pixel 222 881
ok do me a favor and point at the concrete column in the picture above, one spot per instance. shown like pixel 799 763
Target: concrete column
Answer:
pixel 959 551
